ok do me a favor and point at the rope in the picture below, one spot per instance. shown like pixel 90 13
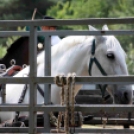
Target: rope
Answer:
pixel 67 86
pixel 72 100
pixel 53 119
pixel 66 119
pixel 62 102
pixel 60 82
pixel 57 82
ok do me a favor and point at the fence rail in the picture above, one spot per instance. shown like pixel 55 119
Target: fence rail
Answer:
pixel 32 79
pixel 65 33
pixel 61 22
pixel 79 80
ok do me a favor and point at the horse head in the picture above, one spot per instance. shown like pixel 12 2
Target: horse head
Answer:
pixel 110 61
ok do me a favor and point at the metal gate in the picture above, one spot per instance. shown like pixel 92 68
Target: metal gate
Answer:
pixel 32 80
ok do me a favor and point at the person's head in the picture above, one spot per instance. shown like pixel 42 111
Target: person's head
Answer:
pixel 48 27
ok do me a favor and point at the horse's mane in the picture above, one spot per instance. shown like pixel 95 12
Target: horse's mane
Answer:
pixel 17 43
pixel 64 45
pixel 68 42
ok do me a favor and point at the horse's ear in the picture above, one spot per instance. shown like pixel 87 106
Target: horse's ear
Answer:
pixel 91 28
pixel 97 38
pixel 105 28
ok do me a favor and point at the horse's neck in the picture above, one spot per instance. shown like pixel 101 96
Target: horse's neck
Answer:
pixel 68 50
pixel 76 53
pixel 73 60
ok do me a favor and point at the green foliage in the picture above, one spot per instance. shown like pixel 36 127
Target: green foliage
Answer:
pixel 8 42
pixel 23 9
pixel 130 59
pixel 99 9
pixel 75 10
pixel 2 51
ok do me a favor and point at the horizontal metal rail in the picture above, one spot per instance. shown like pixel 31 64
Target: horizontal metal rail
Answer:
pixel 103 130
pixel 79 80
pixel 85 32
pixel 111 121
pixel 67 32
pixel 88 108
pixel 77 130
pixel 61 22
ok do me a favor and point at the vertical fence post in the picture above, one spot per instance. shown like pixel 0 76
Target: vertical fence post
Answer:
pixel 33 73
pixel 3 93
pixel 47 90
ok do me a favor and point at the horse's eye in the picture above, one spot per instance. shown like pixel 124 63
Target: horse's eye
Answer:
pixel 110 55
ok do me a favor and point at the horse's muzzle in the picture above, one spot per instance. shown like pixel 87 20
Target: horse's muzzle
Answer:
pixel 124 94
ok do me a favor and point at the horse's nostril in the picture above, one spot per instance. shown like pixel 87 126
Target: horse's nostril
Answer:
pixel 126 95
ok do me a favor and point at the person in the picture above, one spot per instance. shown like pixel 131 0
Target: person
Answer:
pixel 54 38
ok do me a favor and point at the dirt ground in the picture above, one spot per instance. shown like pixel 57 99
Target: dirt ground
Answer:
pixel 107 126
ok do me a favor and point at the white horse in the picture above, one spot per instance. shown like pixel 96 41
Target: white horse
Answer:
pixel 73 54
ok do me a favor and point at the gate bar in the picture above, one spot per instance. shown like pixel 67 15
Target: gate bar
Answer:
pixel 61 22
pixel 68 32
pixel 47 90
pixel 32 74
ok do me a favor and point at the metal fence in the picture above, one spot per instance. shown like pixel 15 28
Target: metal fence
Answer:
pixel 47 80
